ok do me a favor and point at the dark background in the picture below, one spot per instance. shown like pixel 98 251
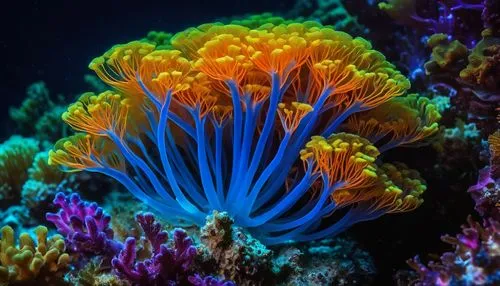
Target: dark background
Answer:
pixel 55 40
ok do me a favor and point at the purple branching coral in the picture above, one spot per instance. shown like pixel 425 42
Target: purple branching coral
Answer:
pixel 475 261
pixel 85 226
pixel 166 266
pixel 486 194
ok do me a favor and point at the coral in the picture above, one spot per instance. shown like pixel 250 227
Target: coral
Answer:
pixel 486 193
pixel 165 266
pixel 448 56
pixel 160 39
pixel 450 17
pixel 41 171
pixel 220 121
pixel 18 217
pixel 475 260
pixel 93 274
pixel 16 156
pixel 235 254
pixel 29 260
pixel 405 120
pixel 483 70
pixel 328 12
pixel 36 103
pixel 85 226
pixel 197 280
pixel 38 196
pixel 337 261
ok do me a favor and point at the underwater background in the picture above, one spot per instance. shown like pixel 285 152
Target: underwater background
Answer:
pixel 398 186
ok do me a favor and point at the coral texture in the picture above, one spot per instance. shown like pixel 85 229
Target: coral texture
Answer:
pixel 28 260
pixel 245 121
pixel 165 266
pixel 84 225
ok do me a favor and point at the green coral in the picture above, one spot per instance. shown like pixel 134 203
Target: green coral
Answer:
pixel 328 12
pixel 16 157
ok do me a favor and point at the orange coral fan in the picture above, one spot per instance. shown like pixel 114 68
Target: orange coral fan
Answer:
pixel 405 120
pixel 216 120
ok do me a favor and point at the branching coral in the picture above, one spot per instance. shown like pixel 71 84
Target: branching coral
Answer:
pixel 218 122
pixel 16 157
pixel 84 225
pixel 165 266
pixel 30 259
pixel 475 261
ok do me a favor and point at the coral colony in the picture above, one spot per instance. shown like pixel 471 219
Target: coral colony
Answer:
pixel 253 121
pixel 263 138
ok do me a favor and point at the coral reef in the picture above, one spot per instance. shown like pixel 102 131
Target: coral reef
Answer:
pixel 165 266
pixel 85 226
pixel 475 261
pixel 272 88
pixel 235 254
pixel 42 260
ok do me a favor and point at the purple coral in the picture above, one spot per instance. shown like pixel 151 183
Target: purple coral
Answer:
pixel 475 260
pixel 197 280
pixel 85 226
pixel 486 194
pixel 166 266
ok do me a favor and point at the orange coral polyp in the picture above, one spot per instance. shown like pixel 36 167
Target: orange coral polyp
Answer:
pixel 119 66
pixel 165 70
pixel 98 114
pixel 344 158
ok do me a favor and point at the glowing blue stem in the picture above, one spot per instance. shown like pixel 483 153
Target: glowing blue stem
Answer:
pixel 237 126
pixel 218 162
pixel 125 180
pixel 313 213
pixel 266 130
pixel 283 205
pixel 302 134
pixel 148 93
pixel 160 142
pixel 275 163
pixel 340 119
pixel 134 160
pixel 184 176
pixel 205 174
pixel 248 132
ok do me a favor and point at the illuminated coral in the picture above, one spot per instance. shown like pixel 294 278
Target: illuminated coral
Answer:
pixel 166 266
pixel 31 259
pixel 402 120
pixel 475 260
pixel 223 121
pixel 482 72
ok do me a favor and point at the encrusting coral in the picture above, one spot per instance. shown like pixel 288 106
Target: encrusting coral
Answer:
pixel 31 259
pixel 223 121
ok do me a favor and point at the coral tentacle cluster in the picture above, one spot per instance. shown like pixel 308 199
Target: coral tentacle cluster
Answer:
pixel 222 117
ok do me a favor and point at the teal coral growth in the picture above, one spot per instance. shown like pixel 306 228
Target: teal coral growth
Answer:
pixel 247 119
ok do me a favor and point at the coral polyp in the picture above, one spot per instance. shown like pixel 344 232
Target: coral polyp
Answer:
pixel 247 119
